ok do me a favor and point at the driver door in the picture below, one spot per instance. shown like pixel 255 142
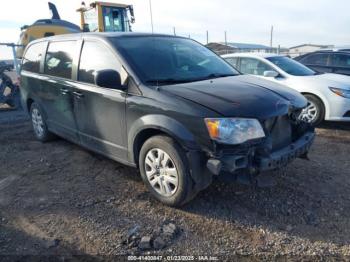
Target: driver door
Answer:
pixel 100 112
pixel 256 67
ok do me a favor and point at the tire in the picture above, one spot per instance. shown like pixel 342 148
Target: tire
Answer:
pixel 39 124
pixel 163 176
pixel 315 111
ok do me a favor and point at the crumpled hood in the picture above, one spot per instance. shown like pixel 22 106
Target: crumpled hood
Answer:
pixel 240 96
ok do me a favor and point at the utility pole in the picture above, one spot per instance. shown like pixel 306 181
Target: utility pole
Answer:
pixel 174 31
pixel 226 42
pixel 207 37
pixel 271 37
pixel 150 9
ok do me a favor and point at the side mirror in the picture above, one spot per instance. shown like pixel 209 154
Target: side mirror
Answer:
pixel 270 73
pixel 109 79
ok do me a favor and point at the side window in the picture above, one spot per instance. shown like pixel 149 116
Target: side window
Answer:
pixel 316 59
pixel 233 61
pixel 254 66
pixel 59 59
pixel 341 60
pixel 32 58
pixel 96 57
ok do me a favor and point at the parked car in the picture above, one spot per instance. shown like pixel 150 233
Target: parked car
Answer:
pixel 328 95
pixel 164 104
pixel 327 61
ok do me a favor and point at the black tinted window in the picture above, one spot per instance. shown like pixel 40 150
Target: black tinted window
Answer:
pixel 341 60
pixel 59 59
pixel 316 59
pixel 31 59
pixel 95 57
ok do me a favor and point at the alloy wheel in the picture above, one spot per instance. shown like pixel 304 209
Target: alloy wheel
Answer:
pixel 309 113
pixel 161 172
pixel 38 123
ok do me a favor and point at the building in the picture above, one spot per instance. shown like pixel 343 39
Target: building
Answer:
pixel 223 48
pixel 306 48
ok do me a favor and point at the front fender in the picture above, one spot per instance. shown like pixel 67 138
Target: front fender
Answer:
pixel 165 124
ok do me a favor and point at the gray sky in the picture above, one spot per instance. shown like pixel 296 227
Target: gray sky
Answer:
pixel 295 22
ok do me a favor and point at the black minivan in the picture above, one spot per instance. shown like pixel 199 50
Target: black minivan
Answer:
pixel 164 104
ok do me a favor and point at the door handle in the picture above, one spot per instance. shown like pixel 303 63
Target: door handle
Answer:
pixel 78 95
pixel 64 91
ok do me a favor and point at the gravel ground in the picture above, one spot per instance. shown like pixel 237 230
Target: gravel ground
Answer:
pixel 57 198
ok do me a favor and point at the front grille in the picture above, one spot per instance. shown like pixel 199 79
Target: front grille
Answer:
pixel 280 132
pixel 284 130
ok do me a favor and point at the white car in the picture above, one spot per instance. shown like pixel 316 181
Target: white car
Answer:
pixel 328 94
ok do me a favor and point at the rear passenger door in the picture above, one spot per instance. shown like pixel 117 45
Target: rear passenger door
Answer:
pixel 318 62
pixel 57 88
pixel 341 63
pixel 100 112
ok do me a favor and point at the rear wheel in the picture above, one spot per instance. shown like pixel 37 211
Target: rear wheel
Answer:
pixel 165 171
pixel 314 113
pixel 39 124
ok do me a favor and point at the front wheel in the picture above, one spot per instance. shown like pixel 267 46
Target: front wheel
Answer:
pixel 39 124
pixel 165 171
pixel 314 113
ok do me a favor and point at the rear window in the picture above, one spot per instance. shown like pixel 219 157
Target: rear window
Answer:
pixel 59 59
pixel 32 58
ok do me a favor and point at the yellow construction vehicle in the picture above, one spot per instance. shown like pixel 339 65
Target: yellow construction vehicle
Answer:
pixel 97 17
pixel 106 17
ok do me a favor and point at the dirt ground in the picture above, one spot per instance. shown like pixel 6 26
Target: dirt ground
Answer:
pixel 59 199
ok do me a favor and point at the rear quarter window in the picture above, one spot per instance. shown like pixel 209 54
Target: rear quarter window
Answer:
pixel 32 57
pixel 59 59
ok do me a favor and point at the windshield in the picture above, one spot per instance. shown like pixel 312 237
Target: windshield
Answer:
pixel 290 66
pixel 113 19
pixel 164 60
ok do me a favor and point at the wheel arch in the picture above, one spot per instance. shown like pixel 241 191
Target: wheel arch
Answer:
pixel 153 125
pixel 323 101
pixel 29 103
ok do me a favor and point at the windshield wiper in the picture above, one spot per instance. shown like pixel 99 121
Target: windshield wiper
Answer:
pixel 172 81
pixel 216 75
pixel 168 81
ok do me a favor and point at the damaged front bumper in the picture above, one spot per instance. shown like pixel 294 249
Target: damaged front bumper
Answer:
pixel 284 156
pixel 255 162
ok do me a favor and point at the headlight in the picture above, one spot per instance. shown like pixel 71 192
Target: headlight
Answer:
pixel 341 92
pixel 234 130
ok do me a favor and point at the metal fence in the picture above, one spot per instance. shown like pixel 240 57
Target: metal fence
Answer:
pixel 267 51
